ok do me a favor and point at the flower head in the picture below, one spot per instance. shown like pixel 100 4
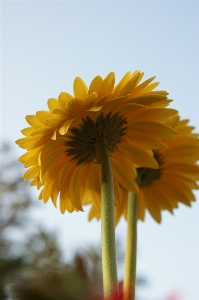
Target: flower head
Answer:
pixel 61 142
pixel 178 173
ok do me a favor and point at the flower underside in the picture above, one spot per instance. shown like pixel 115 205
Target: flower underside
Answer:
pixel 82 145
pixel 145 176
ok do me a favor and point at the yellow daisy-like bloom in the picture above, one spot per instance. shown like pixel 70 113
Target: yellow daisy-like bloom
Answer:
pixel 62 154
pixel 163 188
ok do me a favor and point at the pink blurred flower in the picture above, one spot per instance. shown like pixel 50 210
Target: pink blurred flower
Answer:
pixel 118 296
pixel 174 296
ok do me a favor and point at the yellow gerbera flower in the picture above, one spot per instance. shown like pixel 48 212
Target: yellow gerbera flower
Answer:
pixel 178 173
pixel 61 142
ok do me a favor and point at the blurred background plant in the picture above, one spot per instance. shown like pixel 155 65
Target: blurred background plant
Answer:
pixel 24 247
pixel 31 261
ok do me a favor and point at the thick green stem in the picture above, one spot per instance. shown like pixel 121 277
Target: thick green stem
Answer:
pixel 131 248
pixel 109 267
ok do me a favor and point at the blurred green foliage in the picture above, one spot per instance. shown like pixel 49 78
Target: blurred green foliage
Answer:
pixel 24 248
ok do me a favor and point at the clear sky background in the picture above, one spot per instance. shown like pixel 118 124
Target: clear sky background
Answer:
pixel 46 44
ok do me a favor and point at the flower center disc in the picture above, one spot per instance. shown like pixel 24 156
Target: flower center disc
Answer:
pixel 82 145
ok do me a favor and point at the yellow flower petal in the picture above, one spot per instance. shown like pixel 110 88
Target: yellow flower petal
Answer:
pixel 155 114
pixel 76 195
pixel 158 129
pixel 90 100
pixel 141 207
pixel 65 203
pixel 32 159
pixel 124 174
pixel 151 199
pixel 148 99
pixel 113 105
pixel 80 89
pixel 41 131
pixel 31 173
pixel 28 155
pixel 65 112
pixel 76 105
pixel 117 192
pixel 52 104
pixel 63 99
pixel 93 186
pixel 94 213
pixel 121 84
pixel 65 126
pixel 33 121
pixel 55 192
pixel 150 87
pixel 46 192
pixel 181 195
pixel 107 85
pixel 42 115
pixel 129 109
pixel 138 156
pixel 145 140
pixel 26 143
pixel 130 85
pixel 52 159
pixel 27 131
pixel 54 122
pixel 95 85
pixel 139 89
pixel 38 142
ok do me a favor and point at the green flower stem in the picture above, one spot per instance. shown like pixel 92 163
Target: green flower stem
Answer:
pixel 109 267
pixel 131 248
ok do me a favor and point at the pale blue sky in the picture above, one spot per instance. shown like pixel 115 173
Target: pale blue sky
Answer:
pixel 46 44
